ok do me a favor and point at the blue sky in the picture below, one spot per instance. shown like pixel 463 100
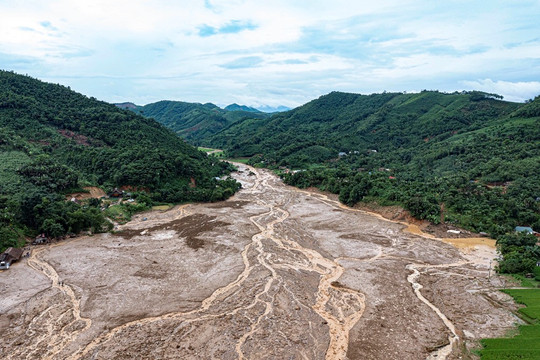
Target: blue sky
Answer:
pixel 280 52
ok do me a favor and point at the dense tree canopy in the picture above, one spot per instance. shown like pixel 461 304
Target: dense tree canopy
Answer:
pixel 53 141
pixel 196 122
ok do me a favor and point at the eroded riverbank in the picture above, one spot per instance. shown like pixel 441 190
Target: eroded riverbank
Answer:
pixel 273 273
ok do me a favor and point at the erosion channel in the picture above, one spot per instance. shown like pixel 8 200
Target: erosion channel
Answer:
pixel 273 273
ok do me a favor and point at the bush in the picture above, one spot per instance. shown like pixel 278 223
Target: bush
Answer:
pixel 520 253
pixel 9 237
pixel 422 207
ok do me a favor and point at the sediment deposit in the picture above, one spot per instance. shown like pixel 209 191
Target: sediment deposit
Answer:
pixel 273 273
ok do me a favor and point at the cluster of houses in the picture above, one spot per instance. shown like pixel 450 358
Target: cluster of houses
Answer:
pixel 355 152
pixel 286 170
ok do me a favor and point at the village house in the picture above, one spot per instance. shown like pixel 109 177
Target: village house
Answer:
pixel 524 229
pixel 40 239
pixel 9 256
pixel 116 193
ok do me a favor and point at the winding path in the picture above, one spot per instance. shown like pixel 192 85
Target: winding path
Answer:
pixel 453 338
pixel 58 340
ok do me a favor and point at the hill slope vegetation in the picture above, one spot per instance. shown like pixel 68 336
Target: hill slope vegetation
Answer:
pixel 393 124
pixel 53 141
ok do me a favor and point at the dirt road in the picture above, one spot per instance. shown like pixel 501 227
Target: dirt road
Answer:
pixel 273 273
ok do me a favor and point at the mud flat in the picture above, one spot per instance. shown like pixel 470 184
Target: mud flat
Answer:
pixel 273 273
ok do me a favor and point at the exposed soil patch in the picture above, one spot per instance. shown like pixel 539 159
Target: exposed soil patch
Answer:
pixel 92 192
pixel 389 212
pixel 78 138
pixel 189 227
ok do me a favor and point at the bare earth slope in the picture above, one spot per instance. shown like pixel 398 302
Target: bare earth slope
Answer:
pixel 273 273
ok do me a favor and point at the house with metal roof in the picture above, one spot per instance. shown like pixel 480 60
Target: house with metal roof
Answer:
pixel 524 229
pixel 9 256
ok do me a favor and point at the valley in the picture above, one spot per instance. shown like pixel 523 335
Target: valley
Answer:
pixel 269 180
pixel 272 273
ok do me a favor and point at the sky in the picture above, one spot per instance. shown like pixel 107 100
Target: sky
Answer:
pixel 274 52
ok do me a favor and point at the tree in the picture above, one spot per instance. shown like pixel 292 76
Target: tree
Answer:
pixel 52 228
pixel 422 207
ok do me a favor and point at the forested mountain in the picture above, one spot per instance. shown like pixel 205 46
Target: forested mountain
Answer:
pixel 468 159
pixel 236 107
pixel 340 122
pixel 196 122
pixel 53 141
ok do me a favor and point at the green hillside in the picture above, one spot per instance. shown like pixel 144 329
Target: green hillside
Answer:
pixel 53 141
pixel 341 122
pixel 468 159
pixel 197 122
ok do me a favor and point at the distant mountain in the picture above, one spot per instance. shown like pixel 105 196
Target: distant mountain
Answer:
pixel 54 140
pixel 236 107
pixel 196 122
pixel 273 109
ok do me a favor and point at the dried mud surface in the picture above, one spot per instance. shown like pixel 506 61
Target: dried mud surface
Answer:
pixel 273 273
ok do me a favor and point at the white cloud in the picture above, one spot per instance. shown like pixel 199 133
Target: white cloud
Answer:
pixel 512 91
pixel 279 52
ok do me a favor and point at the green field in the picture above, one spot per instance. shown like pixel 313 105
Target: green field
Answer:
pixel 525 345
pixel 212 152
pixel 206 149
pixel 529 282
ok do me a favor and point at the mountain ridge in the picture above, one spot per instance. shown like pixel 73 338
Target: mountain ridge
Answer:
pixel 353 122
pixel 236 107
pixel 195 122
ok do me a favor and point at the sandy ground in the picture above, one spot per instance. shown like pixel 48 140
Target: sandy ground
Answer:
pixel 273 273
